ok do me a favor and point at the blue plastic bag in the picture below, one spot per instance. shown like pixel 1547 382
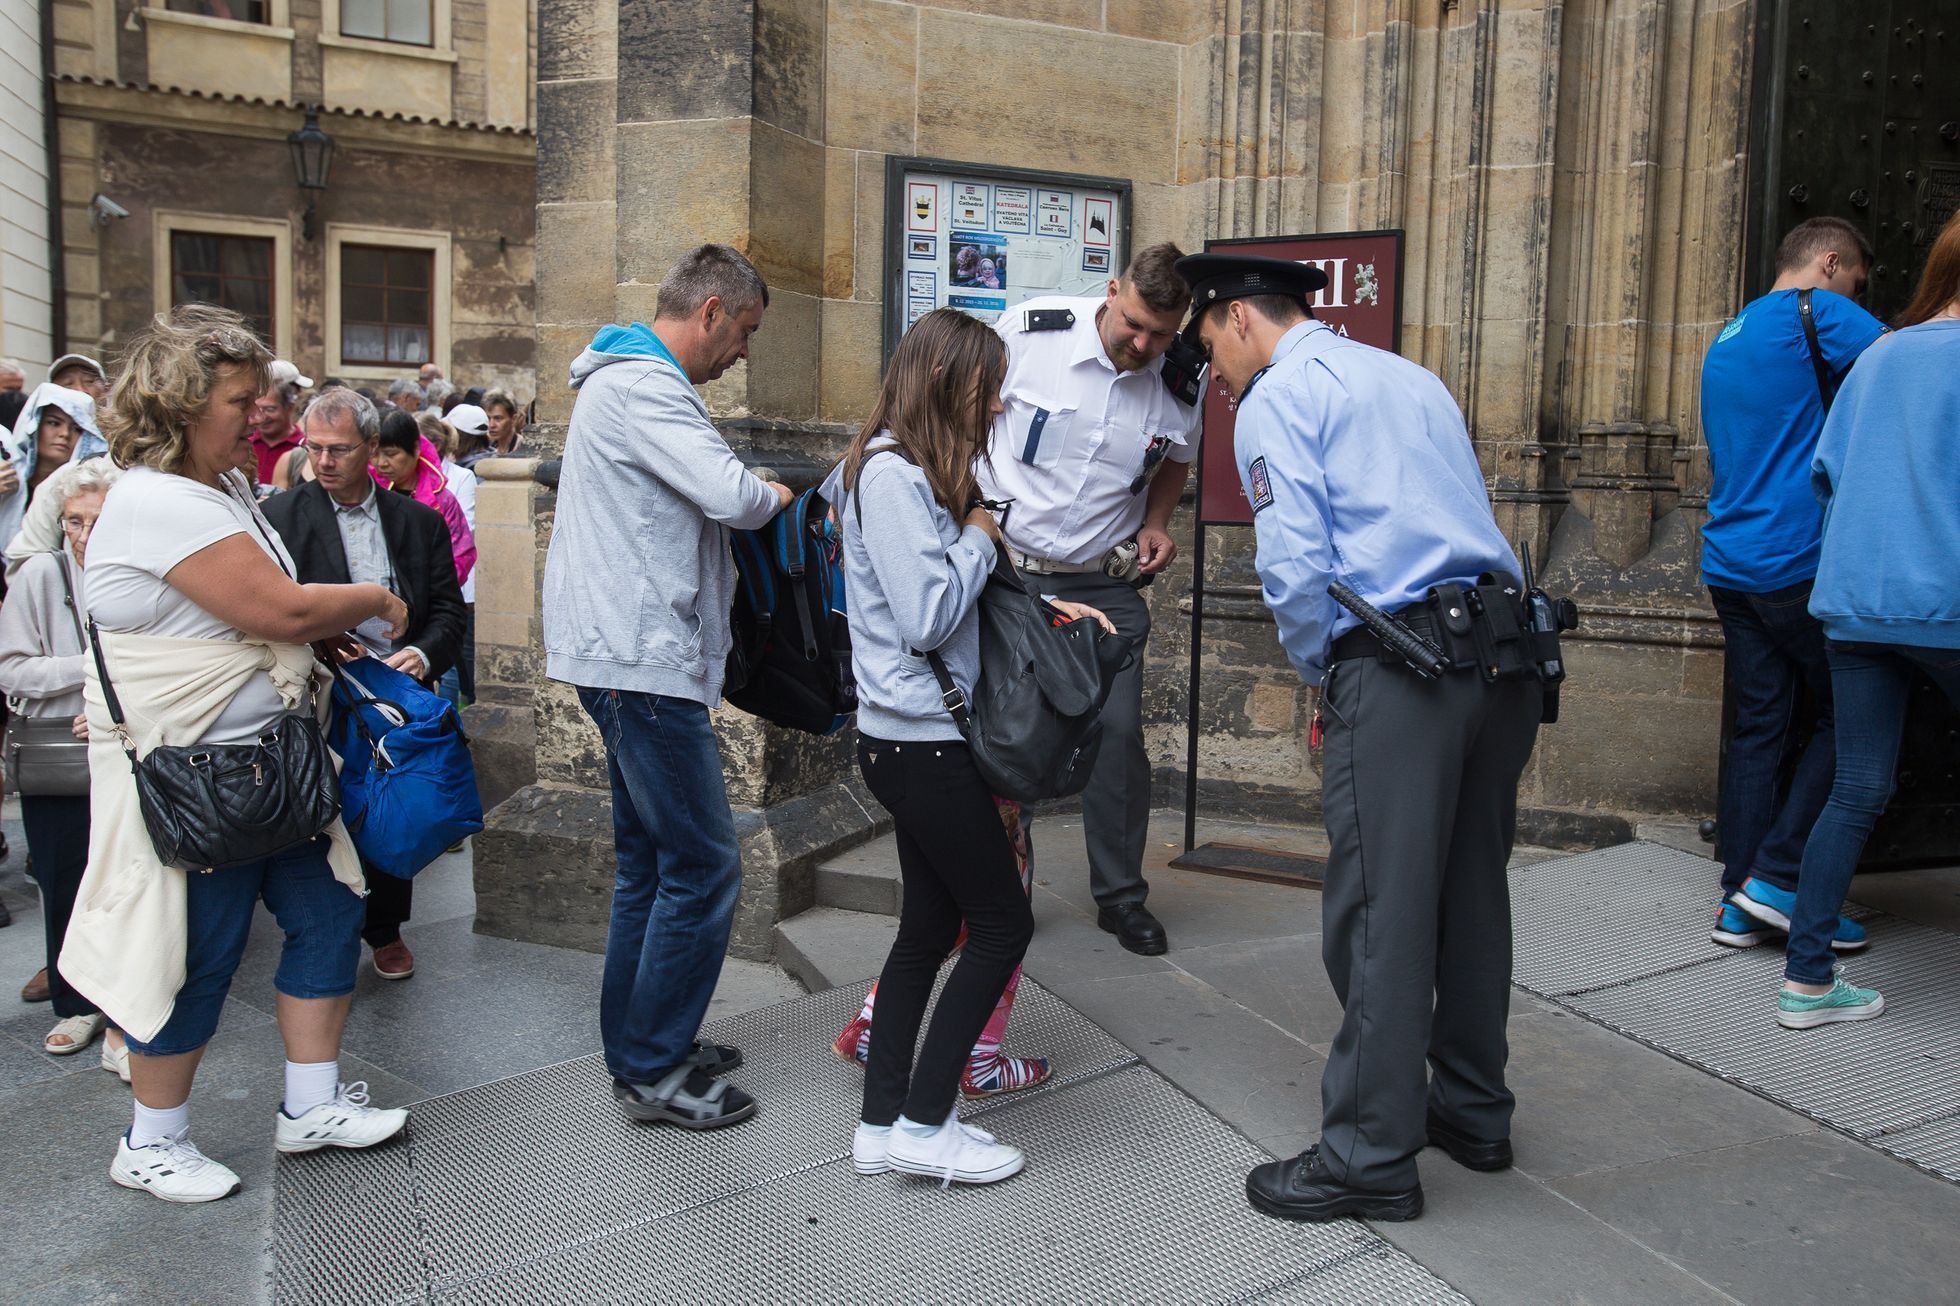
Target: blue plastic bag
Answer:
pixel 407 784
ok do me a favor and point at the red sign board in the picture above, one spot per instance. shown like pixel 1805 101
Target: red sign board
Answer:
pixel 1363 300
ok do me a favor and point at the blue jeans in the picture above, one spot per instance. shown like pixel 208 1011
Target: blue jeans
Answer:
pixel 1872 683
pixel 321 918
pixel 1775 651
pixel 679 874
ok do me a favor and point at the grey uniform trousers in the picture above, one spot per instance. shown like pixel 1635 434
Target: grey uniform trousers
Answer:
pixel 1419 788
pixel 1116 805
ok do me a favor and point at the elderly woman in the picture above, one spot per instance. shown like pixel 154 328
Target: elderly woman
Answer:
pixel 42 652
pixel 405 461
pixel 458 684
pixel 204 635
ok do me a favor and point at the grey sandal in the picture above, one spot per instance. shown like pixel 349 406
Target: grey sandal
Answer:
pixel 686 1096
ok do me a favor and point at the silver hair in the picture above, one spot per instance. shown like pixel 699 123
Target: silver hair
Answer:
pixel 98 473
pixel 12 365
pixel 436 391
pixel 331 405
pixel 708 271
pixel 402 387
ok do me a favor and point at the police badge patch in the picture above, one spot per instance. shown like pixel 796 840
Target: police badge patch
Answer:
pixel 1262 486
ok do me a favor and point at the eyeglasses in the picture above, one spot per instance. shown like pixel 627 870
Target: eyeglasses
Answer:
pixel 331 453
pixel 78 525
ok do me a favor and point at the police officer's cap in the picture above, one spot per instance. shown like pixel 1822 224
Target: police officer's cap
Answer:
pixel 1215 278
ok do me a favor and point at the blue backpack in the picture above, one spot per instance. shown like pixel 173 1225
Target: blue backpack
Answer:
pixel 791 659
pixel 407 785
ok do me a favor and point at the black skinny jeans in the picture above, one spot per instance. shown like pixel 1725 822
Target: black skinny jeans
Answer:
pixel 957 864
pixel 57 840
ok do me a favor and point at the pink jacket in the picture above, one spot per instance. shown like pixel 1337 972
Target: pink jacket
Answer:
pixel 432 488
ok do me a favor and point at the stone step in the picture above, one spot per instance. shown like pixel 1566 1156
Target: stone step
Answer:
pixel 864 879
pixel 826 947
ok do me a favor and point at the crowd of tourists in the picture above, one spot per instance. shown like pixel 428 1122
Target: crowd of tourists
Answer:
pixel 188 538
pixel 194 547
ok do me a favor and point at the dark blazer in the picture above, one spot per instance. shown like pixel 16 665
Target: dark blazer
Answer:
pixel 418 545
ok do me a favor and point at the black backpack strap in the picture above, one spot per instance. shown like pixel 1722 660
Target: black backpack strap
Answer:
pixel 1825 389
pixel 857 504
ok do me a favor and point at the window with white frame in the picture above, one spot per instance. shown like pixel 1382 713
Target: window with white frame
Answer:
pixel 387 310
pixel 409 22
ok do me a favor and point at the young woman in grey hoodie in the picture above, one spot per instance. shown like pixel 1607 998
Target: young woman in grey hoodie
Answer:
pixel 918 548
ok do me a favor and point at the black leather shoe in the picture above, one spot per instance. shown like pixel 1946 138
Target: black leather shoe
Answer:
pixel 1471 1153
pixel 1304 1189
pixel 1134 927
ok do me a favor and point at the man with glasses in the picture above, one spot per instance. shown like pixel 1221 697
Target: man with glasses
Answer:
pixel 344 528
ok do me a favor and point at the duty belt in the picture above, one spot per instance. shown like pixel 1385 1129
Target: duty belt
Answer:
pixel 1361 642
pixel 1048 567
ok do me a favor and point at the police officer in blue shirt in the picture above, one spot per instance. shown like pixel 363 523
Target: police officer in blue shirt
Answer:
pixel 1359 471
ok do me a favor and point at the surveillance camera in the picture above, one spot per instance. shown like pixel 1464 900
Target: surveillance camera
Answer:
pixel 103 209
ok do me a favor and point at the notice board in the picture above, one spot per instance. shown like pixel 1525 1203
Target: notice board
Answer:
pixel 982 239
pixel 1363 300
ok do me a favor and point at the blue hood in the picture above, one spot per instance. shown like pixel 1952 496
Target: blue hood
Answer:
pixel 616 344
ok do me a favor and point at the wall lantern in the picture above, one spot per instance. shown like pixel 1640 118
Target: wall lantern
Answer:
pixel 312 159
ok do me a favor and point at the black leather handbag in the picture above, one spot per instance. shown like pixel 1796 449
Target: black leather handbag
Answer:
pixel 1035 723
pixel 209 806
pixel 44 759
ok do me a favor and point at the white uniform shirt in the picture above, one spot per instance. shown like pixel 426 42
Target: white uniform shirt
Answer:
pixel 1077 436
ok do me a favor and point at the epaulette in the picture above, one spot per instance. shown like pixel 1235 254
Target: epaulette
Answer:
pixel 1184 372
pixel 1047 319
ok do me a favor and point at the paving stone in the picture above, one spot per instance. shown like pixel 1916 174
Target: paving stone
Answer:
pixel 1810 1219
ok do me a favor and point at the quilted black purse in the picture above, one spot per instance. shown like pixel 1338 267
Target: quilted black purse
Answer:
pixel 208 806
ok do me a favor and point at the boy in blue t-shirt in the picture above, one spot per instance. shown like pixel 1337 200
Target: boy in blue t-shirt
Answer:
pixel 1764 393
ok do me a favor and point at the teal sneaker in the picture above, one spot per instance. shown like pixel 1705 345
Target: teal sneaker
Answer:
pixel 1772 906
pixel 1845 1001
pixel 1734 929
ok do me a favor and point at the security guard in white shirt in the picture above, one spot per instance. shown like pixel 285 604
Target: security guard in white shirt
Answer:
pixel 1093 449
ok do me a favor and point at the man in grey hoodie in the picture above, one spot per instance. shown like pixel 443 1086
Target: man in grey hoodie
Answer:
pixel 637 588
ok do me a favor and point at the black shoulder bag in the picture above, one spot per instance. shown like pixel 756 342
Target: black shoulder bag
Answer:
pixel 209 806
pixel 1034 723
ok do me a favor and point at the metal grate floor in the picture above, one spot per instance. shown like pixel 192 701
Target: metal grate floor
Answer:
pixel 535 1189
pixel 1621 936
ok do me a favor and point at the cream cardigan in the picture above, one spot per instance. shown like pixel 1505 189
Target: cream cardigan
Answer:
pixel 126 942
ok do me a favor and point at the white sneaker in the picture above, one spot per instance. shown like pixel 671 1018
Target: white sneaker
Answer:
pixel 868 1146
pixel 347 1121
pixel 957 1153
pixel 115 1059
pixel 172 1169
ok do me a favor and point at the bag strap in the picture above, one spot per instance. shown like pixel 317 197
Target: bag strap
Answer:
pixel 252 511
pixel 951 696
pixel 68 592
pixel 1825 389
pixel 109 692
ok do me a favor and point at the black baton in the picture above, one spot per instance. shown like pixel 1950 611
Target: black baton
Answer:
pixel 1427 660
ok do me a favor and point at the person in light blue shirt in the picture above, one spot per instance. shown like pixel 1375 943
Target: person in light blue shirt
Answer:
pixel 1359 470
pixel 1888 594
pixel 1764 393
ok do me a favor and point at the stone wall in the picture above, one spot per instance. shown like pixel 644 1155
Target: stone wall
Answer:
pixel 1568 176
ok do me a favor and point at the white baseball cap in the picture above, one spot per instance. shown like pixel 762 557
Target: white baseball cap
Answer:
pixel 285 373
pixel 469 419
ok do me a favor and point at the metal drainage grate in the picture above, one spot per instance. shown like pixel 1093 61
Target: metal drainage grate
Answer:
pixel 1611 916
pixel 535 1189
pixel 1127 1152
pixel 1645 968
